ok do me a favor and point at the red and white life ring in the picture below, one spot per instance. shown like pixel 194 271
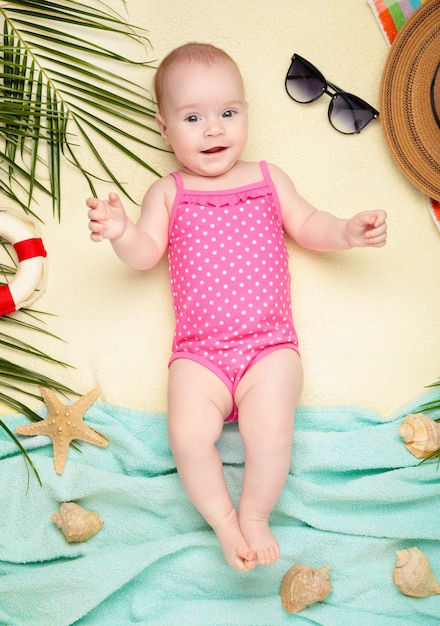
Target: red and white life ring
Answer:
pixel 23 289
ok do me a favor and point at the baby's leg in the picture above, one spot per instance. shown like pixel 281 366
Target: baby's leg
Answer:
pixel 266 398
pixel 198 402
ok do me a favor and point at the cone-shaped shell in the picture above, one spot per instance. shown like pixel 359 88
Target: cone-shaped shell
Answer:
pixel 412 574
pixel 421 434
pixel 303 585
pixel 76 523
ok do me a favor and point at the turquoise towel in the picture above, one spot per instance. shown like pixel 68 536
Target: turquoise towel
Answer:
pixel 354 496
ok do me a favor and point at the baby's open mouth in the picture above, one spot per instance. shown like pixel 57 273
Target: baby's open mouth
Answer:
pixel 214 150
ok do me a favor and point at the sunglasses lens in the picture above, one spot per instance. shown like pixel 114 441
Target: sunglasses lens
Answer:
pixel 349 114
pixel 304 83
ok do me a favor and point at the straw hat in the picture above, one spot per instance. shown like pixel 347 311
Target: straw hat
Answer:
pixel 410 98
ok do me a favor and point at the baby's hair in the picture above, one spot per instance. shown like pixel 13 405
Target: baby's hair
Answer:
pixel 202 53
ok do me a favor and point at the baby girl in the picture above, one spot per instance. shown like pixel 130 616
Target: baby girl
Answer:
pixel 235 350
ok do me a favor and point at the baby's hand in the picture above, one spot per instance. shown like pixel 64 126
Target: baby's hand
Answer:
pixel 108 219
pixel 368 228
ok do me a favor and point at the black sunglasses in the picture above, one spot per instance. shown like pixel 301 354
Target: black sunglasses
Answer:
pixel 347 113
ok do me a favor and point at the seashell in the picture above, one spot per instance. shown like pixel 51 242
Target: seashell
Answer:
pixel 421 434
pixel 303 585
pixel 77 524
pixel 412 574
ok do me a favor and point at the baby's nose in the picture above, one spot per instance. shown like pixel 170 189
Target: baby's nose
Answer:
pixel 214 129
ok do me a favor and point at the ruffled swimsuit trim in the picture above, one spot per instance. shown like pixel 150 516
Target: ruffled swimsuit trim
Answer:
pixel 224 197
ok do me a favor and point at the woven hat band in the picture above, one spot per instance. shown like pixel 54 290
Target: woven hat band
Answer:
pixel 435 95
pixel 410 98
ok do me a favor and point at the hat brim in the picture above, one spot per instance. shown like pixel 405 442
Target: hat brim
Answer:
pixel 406 113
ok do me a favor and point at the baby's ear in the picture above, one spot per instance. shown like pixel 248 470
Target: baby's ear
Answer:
pixel 162 127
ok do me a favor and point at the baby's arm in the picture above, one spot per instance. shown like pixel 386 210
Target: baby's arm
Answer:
pixel 139 245
pixel 320 230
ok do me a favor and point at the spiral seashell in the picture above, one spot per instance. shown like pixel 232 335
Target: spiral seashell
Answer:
pixel 412 574
pixel 421 434
pixel 303 585
pixel 76 523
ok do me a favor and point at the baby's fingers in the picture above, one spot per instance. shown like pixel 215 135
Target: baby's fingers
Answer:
pixel 92 203
pixel 97 226
pixel 97 215
pixel 97 230
pixel 96 237
pixel 380 217
pixel 377 237
pixel 97 205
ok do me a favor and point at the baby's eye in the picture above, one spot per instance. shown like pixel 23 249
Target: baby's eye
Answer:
pixel 229 113
pixel 192 118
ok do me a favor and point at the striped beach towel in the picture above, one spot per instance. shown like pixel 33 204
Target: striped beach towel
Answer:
pixel 392 14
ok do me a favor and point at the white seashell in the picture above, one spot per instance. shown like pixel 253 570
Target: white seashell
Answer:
pixel 303 585
pixel 412 574
pixel 421 434
pixel 76 523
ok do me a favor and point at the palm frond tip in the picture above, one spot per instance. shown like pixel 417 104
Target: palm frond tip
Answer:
pixel 48 77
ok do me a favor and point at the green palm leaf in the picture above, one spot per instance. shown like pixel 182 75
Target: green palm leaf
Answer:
pixel 16 380
pixel 432 405
pixel 20 447
pixel 60 93
pixel 426 407
pixel 63 97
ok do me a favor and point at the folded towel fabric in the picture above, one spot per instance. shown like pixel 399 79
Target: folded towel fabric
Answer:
pixel 354 496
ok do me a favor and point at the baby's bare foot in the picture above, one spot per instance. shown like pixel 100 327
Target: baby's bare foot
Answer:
pixel 261 540
pixel 235 548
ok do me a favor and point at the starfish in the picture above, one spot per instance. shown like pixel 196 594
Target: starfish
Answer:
pixel 63 424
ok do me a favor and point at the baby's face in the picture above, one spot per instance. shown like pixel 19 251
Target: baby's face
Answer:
pixel 204 116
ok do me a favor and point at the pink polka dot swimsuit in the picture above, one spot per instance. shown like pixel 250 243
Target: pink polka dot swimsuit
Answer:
pixel 230 280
